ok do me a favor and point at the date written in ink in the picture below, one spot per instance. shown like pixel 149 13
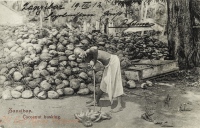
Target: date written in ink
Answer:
pixel 86 5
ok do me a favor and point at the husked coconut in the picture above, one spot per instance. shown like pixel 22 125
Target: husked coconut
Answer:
pixel 19 88
pixel 83 75
pixel 54 62
pixel 36 91
pixel 60 92
pixel 58 81
pixel 63 63
pixel 131 84
pixel 143 85
pixel 149 83
pixel 42 65
pixel 26 71
pixel 60 86
pixel 2 79
pixel 42 95
pixel 73 64
pixel 4 70
pixel 83 85
pixel 68 91
pixel 84 91
pixel 52 69
pixel 75 70
pixel 53 95
pixel 16 94
pixel 45 85
pixel 72 57
pixel 75 83
pixel 63 58
pixel 27 94
pixel 6 95
pixel 66 83
pixel 44 72
pixel 68 52
pixel 36 74
pixel 17 76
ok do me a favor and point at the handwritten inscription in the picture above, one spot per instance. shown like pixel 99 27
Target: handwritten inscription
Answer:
pixel 21 111
pixel 86 5
pixel 55 16
pixel 108 13
pixel 38 9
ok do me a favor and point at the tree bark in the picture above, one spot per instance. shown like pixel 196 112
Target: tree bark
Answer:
pixel 179 29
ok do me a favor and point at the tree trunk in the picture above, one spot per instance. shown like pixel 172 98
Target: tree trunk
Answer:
pixel 196 32
pixel 179 31
pixel 142 11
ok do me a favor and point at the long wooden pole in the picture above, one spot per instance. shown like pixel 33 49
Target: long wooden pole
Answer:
pixel 94 90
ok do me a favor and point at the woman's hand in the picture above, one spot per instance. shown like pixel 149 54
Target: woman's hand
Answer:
pixel 91 64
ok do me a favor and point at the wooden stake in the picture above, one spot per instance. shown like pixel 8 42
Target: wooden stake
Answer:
pixel 94 90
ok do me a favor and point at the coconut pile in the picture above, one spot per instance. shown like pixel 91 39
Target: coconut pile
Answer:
pixel 41 63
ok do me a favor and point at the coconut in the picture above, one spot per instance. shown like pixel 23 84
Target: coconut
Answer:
pixel 58 81
pixel 27 94
pixel 60 48
pixel 63 58
pixel 60 92
pixel 91 87
pixel 42 95
pixel 17 76
pixel 26 71
pixel 52 47
pixel 63 63
pixel 4 70
pixel 149 83
pixel 68 52
pixel 66 83
pixel 143 85
pixel 83 75
pixel 16 94
pixel 72 57
pixel 44 72
pixel 19 88
pixel 2 79
pixel 6 95
pixel 83 85
pixel 45 57
pixel 52 69
pixel 42 65
pixel 53 95
pixel 75 70
pixel 45 85
pixel 131 84
pixel 74 83
pixel 54 62
pixel 36 91
pixel 70 47
pixel 84 91
pixel 68 91
pixel 60 86
pixel 73 64
pixel 36 74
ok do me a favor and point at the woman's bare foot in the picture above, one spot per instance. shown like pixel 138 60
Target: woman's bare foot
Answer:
pixel 92 103
pixel 89 101
pixel 117 109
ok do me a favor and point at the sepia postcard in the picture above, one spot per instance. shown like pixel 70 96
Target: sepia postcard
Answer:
pixel 99 63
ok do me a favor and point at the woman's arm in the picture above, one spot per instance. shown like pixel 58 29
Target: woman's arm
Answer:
pixel 93 53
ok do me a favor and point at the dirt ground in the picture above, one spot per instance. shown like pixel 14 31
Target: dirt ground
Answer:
pixel 136 102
